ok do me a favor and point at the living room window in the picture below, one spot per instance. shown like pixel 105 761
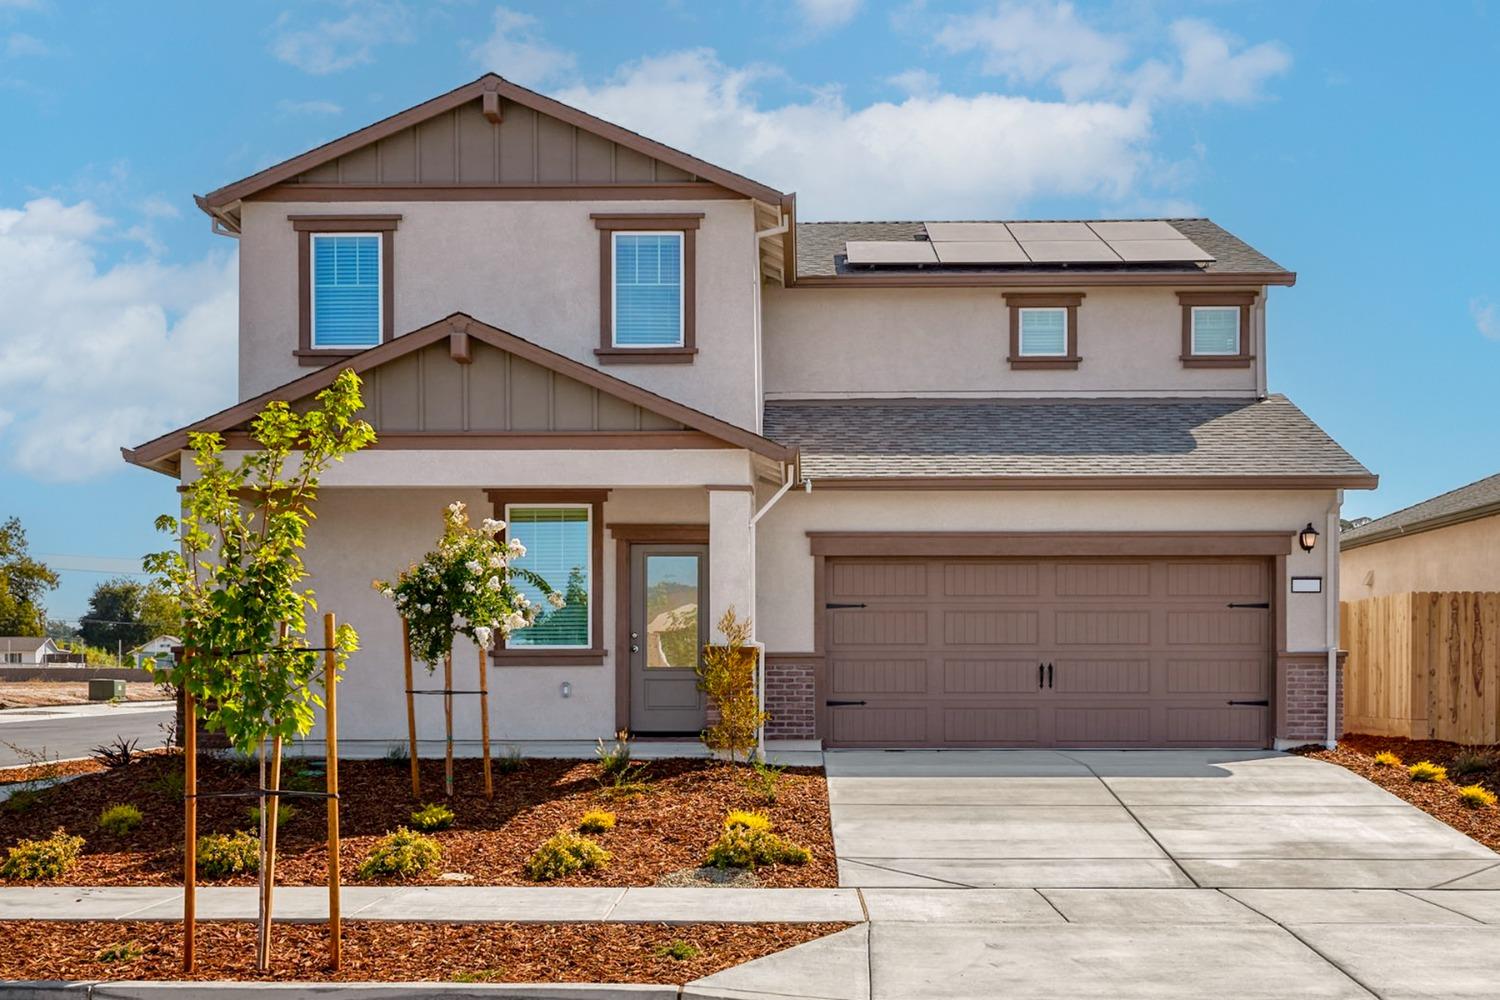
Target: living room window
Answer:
pixel 1043 329
pixel 647 279
pixel 1216 330
pixel 344 284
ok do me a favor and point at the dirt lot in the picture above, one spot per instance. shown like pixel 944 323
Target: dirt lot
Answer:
pixel 32 694
pixel 1440 799
pixel 661 832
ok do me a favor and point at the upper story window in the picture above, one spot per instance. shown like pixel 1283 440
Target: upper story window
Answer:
pixel 1216 331
pixel 345 266
pixel 647 287
pixel 1044 329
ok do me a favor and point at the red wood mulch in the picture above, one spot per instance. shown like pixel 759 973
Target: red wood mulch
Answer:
pixel 1357 752
pixel 397 952
pixel 664 830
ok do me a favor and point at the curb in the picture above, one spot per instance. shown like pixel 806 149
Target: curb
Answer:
pixel 181 990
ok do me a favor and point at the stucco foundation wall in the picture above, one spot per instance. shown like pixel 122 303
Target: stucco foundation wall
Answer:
pixel 530 268
pixel 954 342
pixel 1456 558
pixel 362 535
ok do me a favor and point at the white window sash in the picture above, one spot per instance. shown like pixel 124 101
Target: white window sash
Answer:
pixel 588 563
pixel 614 287
pixel 1238 333
pixel 312 281
pixel 1021 332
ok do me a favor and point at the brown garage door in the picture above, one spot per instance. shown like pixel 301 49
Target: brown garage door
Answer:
pixel 1050 652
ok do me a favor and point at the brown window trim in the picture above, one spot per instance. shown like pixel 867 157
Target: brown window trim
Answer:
pixel 306 225
pixel 1244 359
pixel 609 223
pixel 594 656
pixel 1044 300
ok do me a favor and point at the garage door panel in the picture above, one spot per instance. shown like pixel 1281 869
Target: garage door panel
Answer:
pixel 1213 676
pixel 878 579
pixel 1114 726
pixel 1104 579
pixel 1245 580
pixel 880 724
pixel 975 579
pixel 1225 627
pixel 989 676
pixel 878 677
pixel 1103 628
pixel 880 627
pixel 990 628
pixel 1102 676
pixel 1014 726
pixel 1207 726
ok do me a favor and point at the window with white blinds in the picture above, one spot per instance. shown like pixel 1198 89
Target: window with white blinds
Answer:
pixel 1043 333
pixel 1216 330
pixel 558 542
pixel 648 289
pixel 346 290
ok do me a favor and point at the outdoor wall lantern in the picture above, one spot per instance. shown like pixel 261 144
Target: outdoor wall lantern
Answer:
pixel 1308 538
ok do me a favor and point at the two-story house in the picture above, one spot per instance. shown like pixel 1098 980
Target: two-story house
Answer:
pixel 976 483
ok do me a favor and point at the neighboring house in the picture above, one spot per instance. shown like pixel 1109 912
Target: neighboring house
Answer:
pixel 153 650
pixel 1448 543
pixel 25 650
pixel 976 483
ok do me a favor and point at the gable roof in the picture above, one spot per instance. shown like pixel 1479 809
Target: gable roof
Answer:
pixel 1467 503
pixel 160 453
pixel 217 203
pixel 1063 443
pixel 820 256
pixel 22 643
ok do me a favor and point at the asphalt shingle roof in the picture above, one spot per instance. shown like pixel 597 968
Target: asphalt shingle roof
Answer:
pixel 859 439
pixel 1474 497
pixel 820 250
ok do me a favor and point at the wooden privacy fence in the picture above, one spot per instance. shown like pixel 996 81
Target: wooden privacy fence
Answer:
pixel 1423 665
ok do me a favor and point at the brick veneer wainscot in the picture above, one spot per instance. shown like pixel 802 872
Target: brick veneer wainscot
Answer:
pixel 1306 699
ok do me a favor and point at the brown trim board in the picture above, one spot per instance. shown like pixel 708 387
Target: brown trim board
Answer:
pixel 1086 482
pixel 665 191
pixel 306 227
pixel 609 223
pixel 1039 279
pixel 1000 544
pixel 1070 301
pixel 525 440
pixel 1244 300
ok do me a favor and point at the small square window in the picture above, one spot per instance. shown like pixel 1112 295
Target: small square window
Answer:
pixel 648 279
pixel 1043 333
pixel 346 299
pixel 1216 331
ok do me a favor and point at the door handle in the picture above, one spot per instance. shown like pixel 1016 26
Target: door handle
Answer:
pixel 635 649
pixel 1049 676
pixel 1039 674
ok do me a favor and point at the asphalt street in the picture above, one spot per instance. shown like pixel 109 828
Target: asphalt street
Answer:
pixel 66 731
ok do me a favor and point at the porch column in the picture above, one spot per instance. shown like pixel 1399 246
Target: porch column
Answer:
pixel 731 568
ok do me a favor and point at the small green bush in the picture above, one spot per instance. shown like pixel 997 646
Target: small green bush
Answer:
pixel 763 780
pixel 31 860
pixel 119 819
pixel 480 976
pixel 680 950
pixel 171 783
pixel 284 813
pixel 564 853
pixel 120 951
pixel 1426 771
pixel 614 760
pixel 221 855
pixel 1476 796
pixel 433 816
pixel 510 761
pixel 1467 762
pixel 22 799
pixel 748 842
pixel 1387 759
pixel 397 755
pixel 596 821
pixel 747 819
pixel 402 853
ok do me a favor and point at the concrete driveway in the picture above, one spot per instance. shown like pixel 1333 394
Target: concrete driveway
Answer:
pixel 1138 874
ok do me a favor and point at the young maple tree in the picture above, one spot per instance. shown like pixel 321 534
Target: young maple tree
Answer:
pixel 726 674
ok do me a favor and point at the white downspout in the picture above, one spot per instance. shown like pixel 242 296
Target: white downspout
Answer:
pixel 1331 615
pixel 758 376
pixel 790 475
pixel 1259 314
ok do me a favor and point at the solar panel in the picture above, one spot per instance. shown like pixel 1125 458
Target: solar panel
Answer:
pixel 1159 251
pixel 992 252
pixel 1068 252
pixel 889 252
pixel 1052 231
pixel 968 232
pixel 1135 230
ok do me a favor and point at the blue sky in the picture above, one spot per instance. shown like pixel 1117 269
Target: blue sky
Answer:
pixel 1347 141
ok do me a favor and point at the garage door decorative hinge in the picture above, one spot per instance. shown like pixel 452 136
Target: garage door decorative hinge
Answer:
pixel 837 703
pixel 1261 701
pixel 1255 604
pixel 832 606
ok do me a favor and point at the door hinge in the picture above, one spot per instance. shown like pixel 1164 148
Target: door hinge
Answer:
pixel 831 605
pixel 1259 701
pixel 1254 604
pixel 837 703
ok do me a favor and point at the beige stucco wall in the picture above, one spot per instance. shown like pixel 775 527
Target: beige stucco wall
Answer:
pixel 531 268
pixel 785 565
pixel 1459 557
pixel 954 342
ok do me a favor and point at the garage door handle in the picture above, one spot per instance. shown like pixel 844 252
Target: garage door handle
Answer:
pixel 1255 604
pixel 1262 701
pixel 1049 676
pixel 837 703
pixel 833 607
pixel 1040 673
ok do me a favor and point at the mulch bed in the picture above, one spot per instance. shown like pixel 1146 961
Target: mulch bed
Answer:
pixel 1356 752
pixel 45 772
pixel 664 830
pixel 397 952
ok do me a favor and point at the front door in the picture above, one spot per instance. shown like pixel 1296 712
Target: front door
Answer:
pixel 668 627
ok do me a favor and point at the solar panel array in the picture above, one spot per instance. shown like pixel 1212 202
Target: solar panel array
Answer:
pixel 987 243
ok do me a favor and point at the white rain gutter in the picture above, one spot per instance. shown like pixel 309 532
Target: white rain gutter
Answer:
pixel 789 473
pixel 1331 615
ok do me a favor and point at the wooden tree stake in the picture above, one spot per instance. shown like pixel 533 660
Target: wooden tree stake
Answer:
pixel 331 770
pixel 269 813
pixel 411 713
pixel 190 830
pixel 484 726
pixel 448 721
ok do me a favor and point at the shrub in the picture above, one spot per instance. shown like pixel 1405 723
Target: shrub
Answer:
pixel 680 950
pixel 170 783
pixel 510 761
pixel 1387 759
pixel 747 819
pixel 596 821
pixel 120 951
pixel 742 847
pixel 1467 762
pixel 22 799
pixel 397 755
pixel 221 855
pixel 480 976
pixel 433 816
pixel 119 819
pixel 614 760
pixel 763 780
pixel 284 813
pixel 31 860
pixel 1476 796
pixel 1426 770
pixel 726 674
pixel 400 854
pixel 117 754
pixel 564 853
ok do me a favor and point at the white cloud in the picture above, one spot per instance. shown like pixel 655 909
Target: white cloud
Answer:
pixel 159 207
pixel 333 45
pixel 516 50
pixel 20 44
pixel 313 107
pixel 937 155
pixel 821 15
pixel 1486 317
pixel 1208 70
pixel 95 356
pixel 917 82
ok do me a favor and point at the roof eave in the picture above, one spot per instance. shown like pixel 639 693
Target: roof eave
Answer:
pixel 1035 279
pixel 1367 481
pixel 1418 527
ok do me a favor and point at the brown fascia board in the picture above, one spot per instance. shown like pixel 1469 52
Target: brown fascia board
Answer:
pixel 157 453
pixel 493 83
pixel 1086 482
pixel 1047 279
pixel 1416 528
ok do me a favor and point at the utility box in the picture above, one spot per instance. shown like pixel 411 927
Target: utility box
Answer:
pixel 103 689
